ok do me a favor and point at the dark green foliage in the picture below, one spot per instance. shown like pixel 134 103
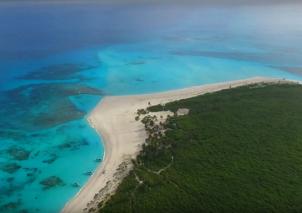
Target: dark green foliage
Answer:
pixel 238 150
pixel 141 112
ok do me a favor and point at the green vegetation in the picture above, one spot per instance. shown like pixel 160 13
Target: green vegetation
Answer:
pixel 238 150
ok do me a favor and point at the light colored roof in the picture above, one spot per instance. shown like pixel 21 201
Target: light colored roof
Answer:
pixel 182 111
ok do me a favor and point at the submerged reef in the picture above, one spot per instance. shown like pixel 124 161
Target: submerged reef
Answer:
pixel 33 107
pixel 74 144
pixel 50 160
pixel 51 182
pixel 10 179
pixel 31 174
pixel 137 63
pixel 40 106
pixel 57 72
pixel 11 206
pixel 11 188
pixel 36 118
pixel 18 153
pixel 15 135
pixel 10 167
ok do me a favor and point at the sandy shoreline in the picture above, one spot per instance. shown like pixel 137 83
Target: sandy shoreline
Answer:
pixel 114 120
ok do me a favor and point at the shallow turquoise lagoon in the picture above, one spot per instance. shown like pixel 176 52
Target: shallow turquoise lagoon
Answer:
pixel 70 56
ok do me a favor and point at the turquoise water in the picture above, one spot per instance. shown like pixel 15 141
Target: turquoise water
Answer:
pixel 70 56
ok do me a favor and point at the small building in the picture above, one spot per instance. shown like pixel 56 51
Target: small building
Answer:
pixel 182 111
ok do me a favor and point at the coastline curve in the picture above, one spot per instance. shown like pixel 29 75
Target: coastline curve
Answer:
pixel 114 120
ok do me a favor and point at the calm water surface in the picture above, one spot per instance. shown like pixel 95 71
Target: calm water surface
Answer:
pixel 57 61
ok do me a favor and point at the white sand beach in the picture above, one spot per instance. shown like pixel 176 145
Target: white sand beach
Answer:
pixel 114 120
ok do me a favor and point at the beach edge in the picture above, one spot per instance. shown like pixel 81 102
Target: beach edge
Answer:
pixel 114 120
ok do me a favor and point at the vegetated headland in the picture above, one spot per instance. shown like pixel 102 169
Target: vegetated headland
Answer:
pixel 229 146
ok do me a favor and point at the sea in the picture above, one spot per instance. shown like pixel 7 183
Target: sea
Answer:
pixel 58 60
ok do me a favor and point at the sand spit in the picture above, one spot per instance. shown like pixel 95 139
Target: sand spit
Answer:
pixel 123 136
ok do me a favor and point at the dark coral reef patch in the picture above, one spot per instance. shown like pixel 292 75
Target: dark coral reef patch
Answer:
pixel 10 167
pixel 57 72
pixel 74 144
pixel 51 159
pixel 40 106
pixel 18 153
pixel 51 182
pixel 11 206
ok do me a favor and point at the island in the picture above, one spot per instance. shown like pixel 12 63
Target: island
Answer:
pixel 201 145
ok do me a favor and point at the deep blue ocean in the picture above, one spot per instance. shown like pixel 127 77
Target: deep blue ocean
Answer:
pixel 58 60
